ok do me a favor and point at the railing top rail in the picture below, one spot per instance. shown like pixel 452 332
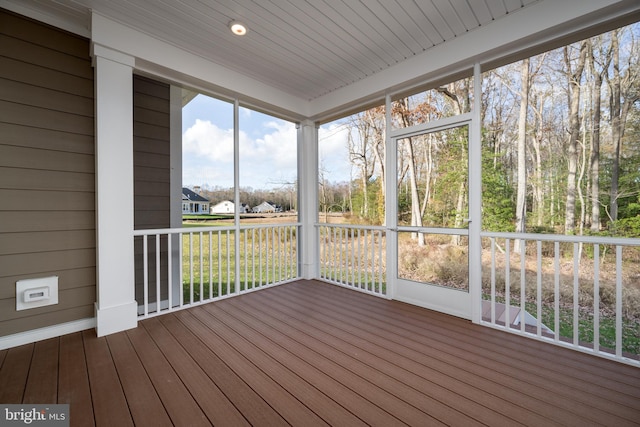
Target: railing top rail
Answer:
pixel 355 226
pixel 273 225
pixel 435 230
pixel 622 241
pixel 185 230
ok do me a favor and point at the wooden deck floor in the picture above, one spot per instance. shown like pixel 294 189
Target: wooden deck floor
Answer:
pixel 309 353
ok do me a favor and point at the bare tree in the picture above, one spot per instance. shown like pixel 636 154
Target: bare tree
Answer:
pixel 625 87
pixel 402 111
pixel 574 77
pixel 594 159
pixel 360 139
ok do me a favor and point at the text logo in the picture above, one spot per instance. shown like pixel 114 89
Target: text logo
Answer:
pixel 34 415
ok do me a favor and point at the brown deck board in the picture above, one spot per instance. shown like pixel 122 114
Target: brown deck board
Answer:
pixel 248 402
pixel 179 403
pixel 42 383
pixel 505 369
pixel 372 365
pixel 306 395
pixel 576 370
pixel 108 399
pixel 144 404
pixel 14 373
pixel 285 366
pixel 342 367
pixel 292 410
pixel 586 367
pixel 309 353
pixel 219 410
pixel 371 352
pixel 446 360
pixel 73 380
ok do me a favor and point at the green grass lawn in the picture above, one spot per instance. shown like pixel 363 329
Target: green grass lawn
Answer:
pixel 265 257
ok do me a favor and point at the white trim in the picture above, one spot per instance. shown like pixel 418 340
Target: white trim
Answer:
pixel 47 332
pixel 117 318
pixel 115 269
pixel 111 55
pixel 454 302
pixel 431 127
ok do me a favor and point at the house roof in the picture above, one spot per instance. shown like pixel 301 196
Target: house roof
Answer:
pixel 319 59
pixel 192 195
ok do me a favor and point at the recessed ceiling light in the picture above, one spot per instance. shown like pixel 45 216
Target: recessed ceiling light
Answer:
pixel 238 28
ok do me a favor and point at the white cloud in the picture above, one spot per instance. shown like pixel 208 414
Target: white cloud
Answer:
pixel 268 160
pixel 205 139
pixel 333 152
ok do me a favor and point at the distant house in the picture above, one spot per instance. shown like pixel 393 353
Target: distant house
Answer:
pixel 193 203
pixel 225 207
pixel 228 207
pixel 264 207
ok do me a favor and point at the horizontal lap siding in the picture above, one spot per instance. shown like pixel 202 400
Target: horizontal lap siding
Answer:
pixel 151 144
pixel 47 164
pixel 151 153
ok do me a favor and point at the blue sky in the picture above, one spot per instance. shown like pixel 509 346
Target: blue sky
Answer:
pixel 267 147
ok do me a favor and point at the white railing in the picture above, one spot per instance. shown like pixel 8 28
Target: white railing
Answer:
pixel 353 256
pixel 182 267
pixel 577 291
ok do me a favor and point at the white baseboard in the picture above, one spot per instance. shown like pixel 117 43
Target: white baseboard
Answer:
pixel 116 318
pixel 32 336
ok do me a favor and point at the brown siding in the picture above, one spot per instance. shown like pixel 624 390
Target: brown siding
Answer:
pixel 151 144
pixel 47 202
pixel 151 153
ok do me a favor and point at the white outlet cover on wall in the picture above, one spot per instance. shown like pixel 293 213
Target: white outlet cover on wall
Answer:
pixel 36 292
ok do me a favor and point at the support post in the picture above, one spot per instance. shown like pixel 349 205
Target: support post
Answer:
pixel 309 256
pixel 475 200
pixel 391 203
pixel 115 308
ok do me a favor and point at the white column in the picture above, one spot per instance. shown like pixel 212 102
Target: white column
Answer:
pixel 391 203
pixel 308 199
pixel 475 200
pixel 116 308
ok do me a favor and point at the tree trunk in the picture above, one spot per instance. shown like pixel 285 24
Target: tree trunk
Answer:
pixel 416 217
pixel 539 182
pixel 379 145
pixel 616 131
pixel 594 160
pixel 574 131
pixel 456 238
pixel 429 169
